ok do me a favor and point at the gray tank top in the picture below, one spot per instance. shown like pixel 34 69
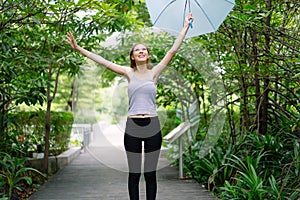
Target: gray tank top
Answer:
pixel 141 96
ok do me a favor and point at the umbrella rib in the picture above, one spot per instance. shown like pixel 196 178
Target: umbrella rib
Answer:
pixel 207 17
pixel 164 10
pixel 230 2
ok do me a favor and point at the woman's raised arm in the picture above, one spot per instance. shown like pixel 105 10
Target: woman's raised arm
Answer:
pixel 102 61
pixel 168 57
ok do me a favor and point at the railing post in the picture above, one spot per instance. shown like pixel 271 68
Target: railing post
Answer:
pixel 177 134
pixel 180 158
pixel 85 140
pixel 85 132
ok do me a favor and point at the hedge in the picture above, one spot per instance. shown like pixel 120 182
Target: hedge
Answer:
pixel 28 128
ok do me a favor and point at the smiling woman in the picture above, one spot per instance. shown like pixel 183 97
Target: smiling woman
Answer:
pixel 139 53
pixel 142 125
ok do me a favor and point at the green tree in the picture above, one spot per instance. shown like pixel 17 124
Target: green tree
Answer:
pixel 35 54
pixel 258 49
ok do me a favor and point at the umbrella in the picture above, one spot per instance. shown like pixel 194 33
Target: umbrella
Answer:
pixel 169 15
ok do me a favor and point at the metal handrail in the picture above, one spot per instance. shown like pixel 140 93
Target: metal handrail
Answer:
pixel 175 134
pixel 84 131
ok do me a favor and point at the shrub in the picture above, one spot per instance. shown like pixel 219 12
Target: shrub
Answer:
pixel 27 130
pixel 13 174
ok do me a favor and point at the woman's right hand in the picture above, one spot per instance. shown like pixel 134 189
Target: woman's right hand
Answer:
pixel 71 40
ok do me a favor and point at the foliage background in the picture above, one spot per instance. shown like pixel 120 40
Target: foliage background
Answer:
pixel 255 52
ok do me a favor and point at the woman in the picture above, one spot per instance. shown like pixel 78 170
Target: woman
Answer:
pixel 142 124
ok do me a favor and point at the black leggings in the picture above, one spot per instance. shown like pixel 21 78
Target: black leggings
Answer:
pixel 138 131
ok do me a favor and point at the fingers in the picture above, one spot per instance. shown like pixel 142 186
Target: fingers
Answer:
pixel 70 35
pixel 68 41
pixel 71 40
pixel 190 17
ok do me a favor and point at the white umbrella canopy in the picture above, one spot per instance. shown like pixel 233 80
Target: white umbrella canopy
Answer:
pixel 169 15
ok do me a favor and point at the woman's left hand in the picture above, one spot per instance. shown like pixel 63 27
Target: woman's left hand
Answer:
pixel 189 18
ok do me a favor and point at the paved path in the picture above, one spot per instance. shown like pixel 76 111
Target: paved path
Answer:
pixel 100 174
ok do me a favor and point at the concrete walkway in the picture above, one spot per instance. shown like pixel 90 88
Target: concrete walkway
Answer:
pixel 101 173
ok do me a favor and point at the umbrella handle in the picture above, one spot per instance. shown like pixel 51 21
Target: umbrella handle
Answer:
pixel 191 23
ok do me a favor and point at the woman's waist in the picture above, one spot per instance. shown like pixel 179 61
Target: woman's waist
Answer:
pixel 142 125
pixel 142 112
pixel 142 115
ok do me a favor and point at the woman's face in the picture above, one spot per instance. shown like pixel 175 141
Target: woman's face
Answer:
pixel 140 53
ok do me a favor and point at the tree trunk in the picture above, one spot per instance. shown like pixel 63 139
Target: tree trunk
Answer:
pixel 244 103
pixel 202 92
pixel 48 112
pixel 256 81
pixel 47 135
pixel 265 100
pixel 74 96
pixel 245 121
pixel 47 124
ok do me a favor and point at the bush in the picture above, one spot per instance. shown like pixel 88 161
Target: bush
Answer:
pixel 255 167
pixel 27 129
